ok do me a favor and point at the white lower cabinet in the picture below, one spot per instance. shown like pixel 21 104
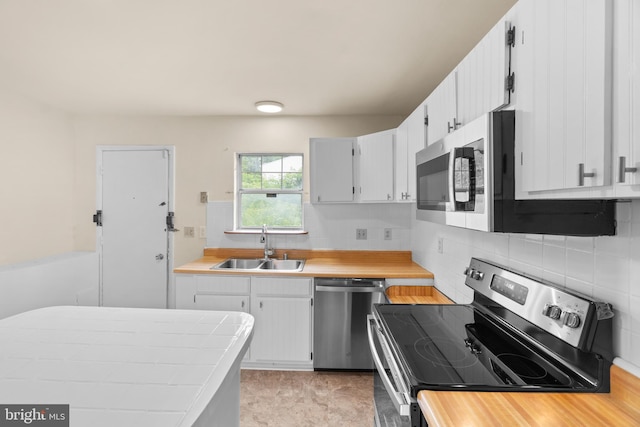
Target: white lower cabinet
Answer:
pixel 282 309
pixel 281 306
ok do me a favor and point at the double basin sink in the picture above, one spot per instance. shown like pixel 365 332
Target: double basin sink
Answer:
pixel 253 264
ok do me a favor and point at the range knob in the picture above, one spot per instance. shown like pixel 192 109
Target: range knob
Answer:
pixel 477 275
pixel 572 320
pixel 552 311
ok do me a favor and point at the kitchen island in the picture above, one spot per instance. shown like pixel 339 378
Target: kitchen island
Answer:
pixel 125 366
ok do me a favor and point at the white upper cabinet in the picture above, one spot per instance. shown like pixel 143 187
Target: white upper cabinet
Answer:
pixel 332 169
pixel 482 76
pixel 626 97
pixel 442 109
pixel 563 88
pixel 402 165
pixel 410 138
pixel 376 167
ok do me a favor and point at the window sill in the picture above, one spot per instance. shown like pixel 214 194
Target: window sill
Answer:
pixel 278 232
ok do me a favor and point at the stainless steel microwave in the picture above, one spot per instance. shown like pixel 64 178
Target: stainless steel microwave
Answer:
pixel 467 179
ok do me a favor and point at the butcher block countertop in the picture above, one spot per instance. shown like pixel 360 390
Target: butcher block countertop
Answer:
pixel 318 263
pixel 620 407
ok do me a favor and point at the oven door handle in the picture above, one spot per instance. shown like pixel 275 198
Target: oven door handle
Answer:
pixel 397 397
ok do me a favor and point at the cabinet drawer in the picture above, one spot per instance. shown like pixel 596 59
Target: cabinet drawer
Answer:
pixel 281 286
pixel 236 285
pixel 222 302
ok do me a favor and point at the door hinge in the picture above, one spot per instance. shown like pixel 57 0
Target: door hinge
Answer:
pixel 170 223
pixel 97 218
pixel 312 355
pixel 311 302
pixel 510 82
pixel 353 152
pixel 426 120
pixel 511 36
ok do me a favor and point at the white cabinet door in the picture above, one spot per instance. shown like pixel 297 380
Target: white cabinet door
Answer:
pixel 410 138
pixel 376 167
pixel 331 169
pixel 442 105
pixel 185 291
pixel 564 76
pixel 626 96
pixel 282 309
pixel 282 329
pixel 401 150
pixel 481 75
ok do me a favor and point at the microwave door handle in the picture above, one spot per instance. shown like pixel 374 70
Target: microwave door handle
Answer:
pixel 451 205
pixel 397 398
pixel 462 153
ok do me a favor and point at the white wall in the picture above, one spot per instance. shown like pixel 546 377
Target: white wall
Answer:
pixel 67 279
pixel 205 148
pixel 37 172
pixel 607 268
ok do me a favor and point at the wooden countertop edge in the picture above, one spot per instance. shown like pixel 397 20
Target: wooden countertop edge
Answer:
pixel 365 264
pixel 480 409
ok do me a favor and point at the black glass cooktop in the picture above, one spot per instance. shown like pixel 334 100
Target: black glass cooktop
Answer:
pixel 442 347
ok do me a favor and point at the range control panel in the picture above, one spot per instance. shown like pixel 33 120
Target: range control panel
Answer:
pixel 565 314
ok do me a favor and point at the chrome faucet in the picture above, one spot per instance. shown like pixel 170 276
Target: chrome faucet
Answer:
pixel 264 238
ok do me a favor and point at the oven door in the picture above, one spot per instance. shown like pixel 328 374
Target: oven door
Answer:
pixel 393 405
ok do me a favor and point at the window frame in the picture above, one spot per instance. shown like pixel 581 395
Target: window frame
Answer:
pixel 238 192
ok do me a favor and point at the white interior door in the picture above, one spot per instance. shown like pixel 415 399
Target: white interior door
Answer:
pixel 134 195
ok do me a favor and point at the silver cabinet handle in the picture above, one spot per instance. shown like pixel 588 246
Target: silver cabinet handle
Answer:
pixel 582 174
pixel 623 169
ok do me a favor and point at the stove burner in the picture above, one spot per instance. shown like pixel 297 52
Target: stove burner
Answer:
pixel 523 366
pixel 445 352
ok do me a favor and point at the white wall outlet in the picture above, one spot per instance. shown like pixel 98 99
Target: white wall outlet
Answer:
pixel 440 245
pixel 361 234
pixel 204 197
pixel 203 232
pixel 189 232
pixel 387 234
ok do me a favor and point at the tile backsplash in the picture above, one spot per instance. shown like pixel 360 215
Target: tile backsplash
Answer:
pixel 330 226
pixel 605 268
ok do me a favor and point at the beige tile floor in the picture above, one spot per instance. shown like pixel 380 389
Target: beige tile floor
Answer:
pixel 297 399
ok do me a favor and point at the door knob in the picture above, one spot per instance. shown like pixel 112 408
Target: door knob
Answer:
pixel 159 257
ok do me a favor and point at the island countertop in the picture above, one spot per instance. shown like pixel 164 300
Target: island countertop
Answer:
pixel 318 263
pixel 126 366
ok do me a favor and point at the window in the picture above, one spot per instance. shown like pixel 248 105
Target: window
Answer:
pixel 269 191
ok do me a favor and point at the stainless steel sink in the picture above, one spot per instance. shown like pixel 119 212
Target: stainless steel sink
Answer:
pixel 283 264
pixel 252 264
pixel 239 264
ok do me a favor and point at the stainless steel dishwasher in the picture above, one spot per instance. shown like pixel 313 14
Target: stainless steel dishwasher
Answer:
pixel 340 322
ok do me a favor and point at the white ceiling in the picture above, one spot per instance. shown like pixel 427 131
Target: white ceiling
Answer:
pixel 218 57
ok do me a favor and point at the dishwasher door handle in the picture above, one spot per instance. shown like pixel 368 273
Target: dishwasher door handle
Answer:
pixel 368 289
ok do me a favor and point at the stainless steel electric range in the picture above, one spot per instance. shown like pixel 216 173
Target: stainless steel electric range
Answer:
pixel 520 333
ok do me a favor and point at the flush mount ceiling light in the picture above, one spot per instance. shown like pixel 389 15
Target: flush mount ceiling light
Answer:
pixel 269 106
